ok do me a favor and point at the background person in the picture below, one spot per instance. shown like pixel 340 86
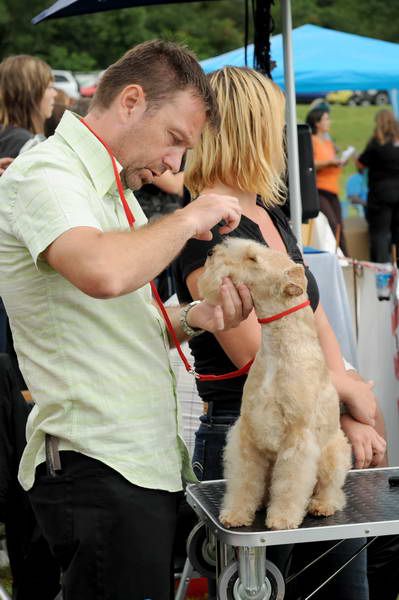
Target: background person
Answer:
pixel 381 157
pixel 328 171
pixel 26 101
pixel 357 189
pixel 61 102
pixel 246 159
pixel 92 345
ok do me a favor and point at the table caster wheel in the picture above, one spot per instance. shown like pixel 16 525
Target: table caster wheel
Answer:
pixel 201 551
pixel 230 588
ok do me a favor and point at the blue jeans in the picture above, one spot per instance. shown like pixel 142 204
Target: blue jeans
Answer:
pixel 350 584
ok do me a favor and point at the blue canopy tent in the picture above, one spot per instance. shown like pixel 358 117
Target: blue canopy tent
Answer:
pixel 326 60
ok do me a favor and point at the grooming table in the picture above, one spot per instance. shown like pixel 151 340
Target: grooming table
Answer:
pixel 242 571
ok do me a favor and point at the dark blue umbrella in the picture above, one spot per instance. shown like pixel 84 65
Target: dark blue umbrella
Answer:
pixel 69 8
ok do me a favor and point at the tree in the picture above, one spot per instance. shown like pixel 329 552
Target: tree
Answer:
pixel 209 28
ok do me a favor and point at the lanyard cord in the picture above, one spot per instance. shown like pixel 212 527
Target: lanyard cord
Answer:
pixel 131 220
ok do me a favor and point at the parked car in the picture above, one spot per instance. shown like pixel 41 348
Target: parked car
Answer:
pixel 358 97
pixel 341 97
pixel 378 97
pixel 88 88
pixel 65 81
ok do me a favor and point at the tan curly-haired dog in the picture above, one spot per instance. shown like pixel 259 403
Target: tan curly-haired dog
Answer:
pixel 287 450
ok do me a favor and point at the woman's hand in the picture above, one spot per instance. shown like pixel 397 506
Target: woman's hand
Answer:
pixel 4 163
pixel 357 395
pixel 336 162
pixel 235 307
pixel 368 446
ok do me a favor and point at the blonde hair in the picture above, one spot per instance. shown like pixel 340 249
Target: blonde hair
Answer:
pixel 248 152
pixel 386 127
pixel 23 82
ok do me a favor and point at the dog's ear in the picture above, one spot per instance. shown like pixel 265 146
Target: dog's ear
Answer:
pixel 295 281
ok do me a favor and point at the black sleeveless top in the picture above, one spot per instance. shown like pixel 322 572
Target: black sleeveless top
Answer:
pixel 209 356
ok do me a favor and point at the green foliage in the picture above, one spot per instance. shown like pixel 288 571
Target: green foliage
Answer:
pixel 91 42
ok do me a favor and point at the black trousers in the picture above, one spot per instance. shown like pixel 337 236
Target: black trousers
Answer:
pixel 113 540
pixel 35 573
pixel 383 220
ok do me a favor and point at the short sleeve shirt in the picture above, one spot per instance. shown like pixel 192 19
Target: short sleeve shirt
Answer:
pixel 98 370
pixel 328 177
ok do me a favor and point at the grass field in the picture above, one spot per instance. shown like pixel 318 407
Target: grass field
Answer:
pixel 351 126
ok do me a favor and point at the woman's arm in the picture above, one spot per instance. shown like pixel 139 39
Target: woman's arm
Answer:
pixel 364 423
pixel 323 164
pixel 368 446
pixel 241 343
pixel 356 394
pixel 170 183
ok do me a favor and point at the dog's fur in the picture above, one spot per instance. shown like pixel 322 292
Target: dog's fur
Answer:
pixel 286 450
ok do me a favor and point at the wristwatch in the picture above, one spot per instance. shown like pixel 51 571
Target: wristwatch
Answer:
pixel 190 331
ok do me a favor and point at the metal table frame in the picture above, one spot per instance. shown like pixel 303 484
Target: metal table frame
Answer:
pixel 372 510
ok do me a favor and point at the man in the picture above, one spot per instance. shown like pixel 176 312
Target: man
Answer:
pixel 91 345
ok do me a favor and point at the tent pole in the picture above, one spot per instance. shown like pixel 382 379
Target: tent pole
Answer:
pixel 292 135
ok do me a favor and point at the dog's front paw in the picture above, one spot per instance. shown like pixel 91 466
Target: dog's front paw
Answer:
pixel 231 518
pixel 275 520
pixel 325 508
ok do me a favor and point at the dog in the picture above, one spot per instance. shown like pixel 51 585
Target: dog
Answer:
pixel 286 451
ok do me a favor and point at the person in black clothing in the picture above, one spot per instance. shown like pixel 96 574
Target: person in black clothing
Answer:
pixel 381 156
pixel 33 568
pixel 246 159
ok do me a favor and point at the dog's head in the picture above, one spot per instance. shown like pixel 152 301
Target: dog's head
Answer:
pixel 270 275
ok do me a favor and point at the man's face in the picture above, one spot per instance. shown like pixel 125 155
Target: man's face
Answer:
pixel 157 140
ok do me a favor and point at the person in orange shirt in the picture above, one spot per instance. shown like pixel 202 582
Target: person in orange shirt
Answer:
pixel 328 170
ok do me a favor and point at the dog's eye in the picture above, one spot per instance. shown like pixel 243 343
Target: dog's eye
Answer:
pixel 210 252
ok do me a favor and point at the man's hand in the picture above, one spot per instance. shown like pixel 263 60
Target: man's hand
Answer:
pixel 358 397
pixel 235 307
pixel 4 163
pixel 367 445
pixel 208 210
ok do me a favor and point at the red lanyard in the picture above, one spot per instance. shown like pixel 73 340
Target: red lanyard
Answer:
pixel 284 313
pixel 131 219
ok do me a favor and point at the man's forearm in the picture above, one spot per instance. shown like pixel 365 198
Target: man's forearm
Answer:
pixel 139 256
pixel 109 264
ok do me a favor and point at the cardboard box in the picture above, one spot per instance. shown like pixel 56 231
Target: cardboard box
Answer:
pixel 357 237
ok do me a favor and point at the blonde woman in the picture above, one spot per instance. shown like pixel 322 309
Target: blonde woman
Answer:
pixel 26 101
pixel 246 159
pixel 381 156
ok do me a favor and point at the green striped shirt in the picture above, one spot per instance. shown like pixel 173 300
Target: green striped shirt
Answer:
pixel 98 370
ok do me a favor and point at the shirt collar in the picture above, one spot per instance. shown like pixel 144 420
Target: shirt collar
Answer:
pixel 91 152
